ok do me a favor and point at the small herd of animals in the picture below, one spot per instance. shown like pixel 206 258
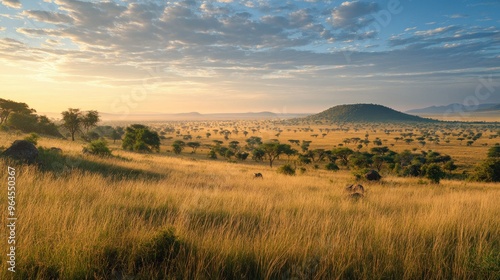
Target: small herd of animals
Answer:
pixel 355 191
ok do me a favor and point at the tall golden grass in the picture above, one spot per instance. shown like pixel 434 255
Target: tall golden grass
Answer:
pixel 202 219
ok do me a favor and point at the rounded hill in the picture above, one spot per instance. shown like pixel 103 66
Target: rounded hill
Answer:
pixel 365 113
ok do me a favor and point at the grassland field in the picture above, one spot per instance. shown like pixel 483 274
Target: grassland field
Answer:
pixel 166 216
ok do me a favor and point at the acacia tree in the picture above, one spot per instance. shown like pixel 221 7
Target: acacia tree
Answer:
pixel 8 107
pixel 74 120
pixel 90 119
pixel 178 146
pixel 273 150
pixel 193 145
pixel 343 154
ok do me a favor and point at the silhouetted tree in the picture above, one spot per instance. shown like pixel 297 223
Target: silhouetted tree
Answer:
pixel 8 106
pixel 90 119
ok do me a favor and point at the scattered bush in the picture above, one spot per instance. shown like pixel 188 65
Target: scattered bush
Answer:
pixel 212 154
pixel 178 146
pixel 99 148
pixel 286 169
pixel 332 166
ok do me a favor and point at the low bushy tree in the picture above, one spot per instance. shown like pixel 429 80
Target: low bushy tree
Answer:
pixel 494 152
pixel 178 146
pixel 342 154
pixel 139 138
pixel 286 169
pixel 212 154
pixel 487 171
pixel 99 148
pixel 434 173
pixel 331 166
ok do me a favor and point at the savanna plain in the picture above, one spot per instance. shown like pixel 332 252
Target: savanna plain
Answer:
pixel 184 215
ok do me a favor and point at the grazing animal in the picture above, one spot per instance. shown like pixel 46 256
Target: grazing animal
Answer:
pixel 258 175
pixel 356 196
pixel 355 188
pixel 355 191
pixel 359 189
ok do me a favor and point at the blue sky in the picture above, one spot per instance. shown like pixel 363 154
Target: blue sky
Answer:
pixel 258 55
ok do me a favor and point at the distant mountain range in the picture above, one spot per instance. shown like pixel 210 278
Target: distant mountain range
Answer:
pixel 456 108
pixel 189 116
pixel 366 113
pixel 341 113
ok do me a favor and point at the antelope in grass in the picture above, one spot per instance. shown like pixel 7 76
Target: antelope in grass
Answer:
pixel 258 175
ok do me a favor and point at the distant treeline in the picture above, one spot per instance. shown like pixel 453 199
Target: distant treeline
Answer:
pixel 19 116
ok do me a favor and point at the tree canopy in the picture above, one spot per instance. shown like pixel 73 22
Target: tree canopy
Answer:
pixel 19 116
pixel 74 120
pixel 273 150
pixel 8 107
pixel 139 138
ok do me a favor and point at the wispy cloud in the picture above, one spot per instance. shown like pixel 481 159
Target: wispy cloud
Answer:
pixel 260 47
pixel 12 3
pixel 455 16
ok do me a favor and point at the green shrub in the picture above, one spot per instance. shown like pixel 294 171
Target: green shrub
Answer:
pixel 434 173
pixel 178 146
pixel 51 160
pixel 158 252
pixel 494 152
pixel 331 166
pixel 413 170
pixel 212 154
pixel 487 171
pixel 32 138
pixel 140 138
pixel 286 169
pixel 359 174
pixel 99 148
